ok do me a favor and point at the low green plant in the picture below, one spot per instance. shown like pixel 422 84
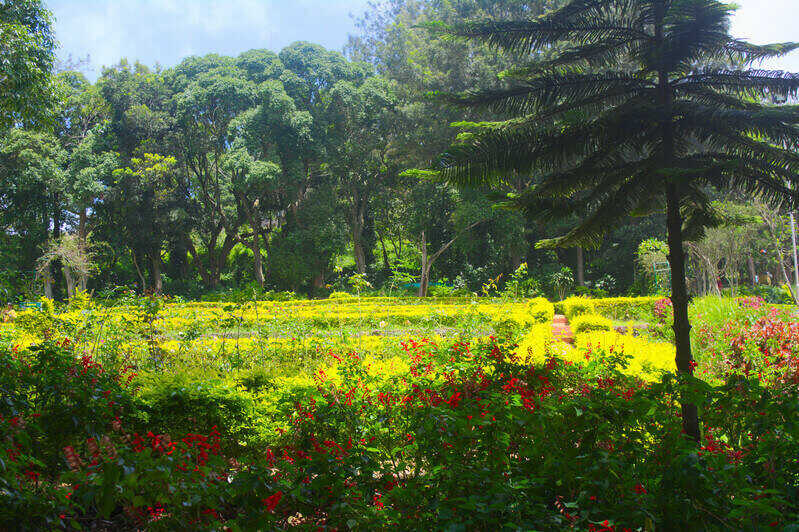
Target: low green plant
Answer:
pixel 340 295
pixel 590 322
pixel 186 401
pixel 575 306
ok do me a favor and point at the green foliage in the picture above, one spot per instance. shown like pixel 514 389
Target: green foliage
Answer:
pixel 653 253
pixel 590 322
pixel 181 402
pixel 27 45
pixel 72 397
pixel 426 447
pixel 340 295
pixel 541 310
pixel 562 281
pixel 626 308
pixel 575 306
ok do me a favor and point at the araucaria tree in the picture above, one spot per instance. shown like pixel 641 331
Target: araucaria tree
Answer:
pixel 632 106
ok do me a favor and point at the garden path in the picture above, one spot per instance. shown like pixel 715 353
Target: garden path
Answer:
pixel 561 330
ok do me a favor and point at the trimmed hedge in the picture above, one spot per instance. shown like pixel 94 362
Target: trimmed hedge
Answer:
pixel 590 322
pixel 575 306
pixel 627 308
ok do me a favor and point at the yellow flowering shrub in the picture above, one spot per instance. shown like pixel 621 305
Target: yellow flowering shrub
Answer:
pixel 626 308
pixel 575 306
pixel 536 346
pixel 541 310
pixel 590 322
pixel 649 360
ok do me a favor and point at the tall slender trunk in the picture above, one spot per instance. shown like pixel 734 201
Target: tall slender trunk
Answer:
pixel 424 276
pixel 69 280
pixel 318 282
pixel 360 254
pixel 386 263
pixel 82 220
pixel 750 263
pixel 142 280
pixel 83 278
pixel 580 267
pixel 155 271
pixel 679 300
pixel 679 290
pixel 56 266
pixel 257 261
pixel 357 222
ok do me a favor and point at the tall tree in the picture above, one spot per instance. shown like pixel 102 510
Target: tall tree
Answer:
pixel 27 49
pixel 359 149
pixel 212 91
pixel 148 189
pixel 660 119
pixel 33 191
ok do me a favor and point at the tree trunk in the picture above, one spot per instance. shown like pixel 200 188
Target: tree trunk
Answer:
pixel 580 267
pixel 425 269
pixel 56 266
pixel 257 262
pixel 386 263
pixel 750 262
pixel 155 271
pixel 318 281
pixel 679 290
pixel 198 264
pixel 424 281
pixel 679 300
pixel 142 280
pixel 357 222
pixel 70 282
pixel 360 255
pixel 82 219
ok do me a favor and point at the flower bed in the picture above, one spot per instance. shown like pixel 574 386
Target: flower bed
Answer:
pixel 460 436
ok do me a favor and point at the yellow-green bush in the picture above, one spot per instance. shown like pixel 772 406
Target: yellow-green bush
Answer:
pixel 340 295
pixel 575 306
pixel 590 322
pixel 648 360
pixel 536 346
pixel 541 310
pixel 626 308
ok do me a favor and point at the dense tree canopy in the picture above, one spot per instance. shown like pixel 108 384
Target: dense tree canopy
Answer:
pixel 27 48
pixel 286 169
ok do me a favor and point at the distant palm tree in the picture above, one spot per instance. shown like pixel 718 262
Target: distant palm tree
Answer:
pixel 638 106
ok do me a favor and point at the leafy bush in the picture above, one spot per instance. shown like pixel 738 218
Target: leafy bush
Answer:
pixel 183 402
pixel 340 295
pixel 626 308
pixel 575 306
pixel 780 295
pixel 590 322
pixel 506 328
pixel 536 346
pixel 634 355
pixel 541 310
pixel 69 395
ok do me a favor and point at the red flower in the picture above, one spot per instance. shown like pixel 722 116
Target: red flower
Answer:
pixel 376 500
pixel 639 489
pixel 271 502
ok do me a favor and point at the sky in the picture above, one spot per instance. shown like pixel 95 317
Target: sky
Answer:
pixel 166 31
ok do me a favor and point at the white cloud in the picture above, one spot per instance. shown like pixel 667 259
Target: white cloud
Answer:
pixel 165 31
pixel 768 21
